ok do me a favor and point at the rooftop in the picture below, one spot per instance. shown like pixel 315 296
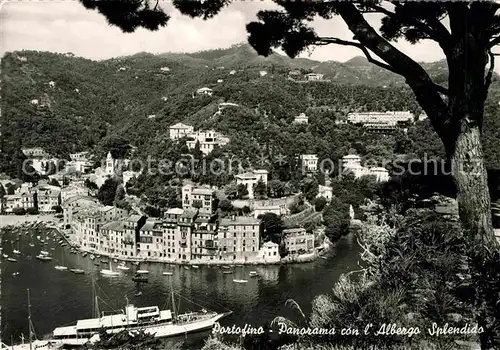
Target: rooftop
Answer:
pixel 113 225
pixel 180 126
pixel 175 211
pixel 239 220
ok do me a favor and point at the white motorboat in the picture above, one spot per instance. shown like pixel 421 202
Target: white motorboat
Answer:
pixel 12 259
pixel 44 252
pixel 15 273
pixel 123 267
pixel 168 273
pixel 60 267
pixel 15 251
pixel 253 274
pixel 142 272
pixel 149 319
pixel 5 256
pixel 43 257
pixel 240 281
pixel 110 272
pixel 196 267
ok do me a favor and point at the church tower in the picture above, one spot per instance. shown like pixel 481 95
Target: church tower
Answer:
pixel 110 164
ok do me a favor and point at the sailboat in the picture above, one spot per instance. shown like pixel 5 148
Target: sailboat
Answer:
pixel 110 272
pixel 149 319
pixel 61 267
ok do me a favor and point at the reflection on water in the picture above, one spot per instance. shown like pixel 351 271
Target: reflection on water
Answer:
pixel 60 297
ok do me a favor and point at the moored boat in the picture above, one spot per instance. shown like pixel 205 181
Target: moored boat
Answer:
pixel 43 257
pixel 240 281
pixel 142 272
pixel 140 278
pixel 77 271
pixel 150 320
pixel 60 267
pixel 253 274
pixel 12 259
pixel 123 267
pixel 168 273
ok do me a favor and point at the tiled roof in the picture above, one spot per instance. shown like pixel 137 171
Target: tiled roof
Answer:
pixel 239 220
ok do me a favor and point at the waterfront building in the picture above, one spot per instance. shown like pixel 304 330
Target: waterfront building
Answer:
pixel 86 225
pixel 120 236
pixel 269 252
pixel 202 198
pixel 309 162
pixel 183 234
pixel 180 130
pixel 204 238
pixel 75 204
pixel 301 119
pixel 170 231
pixel 250 179
pixel 238 238
pixel 150 243
pixel 19 200
pixel 298 241
pixel 47 197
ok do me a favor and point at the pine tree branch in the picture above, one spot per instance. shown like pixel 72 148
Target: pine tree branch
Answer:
pixel 328 40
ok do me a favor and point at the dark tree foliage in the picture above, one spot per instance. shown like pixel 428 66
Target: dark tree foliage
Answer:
pixel 107 192
pixel 271 226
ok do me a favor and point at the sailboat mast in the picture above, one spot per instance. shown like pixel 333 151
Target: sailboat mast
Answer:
pixel 174 316
pixel 29 318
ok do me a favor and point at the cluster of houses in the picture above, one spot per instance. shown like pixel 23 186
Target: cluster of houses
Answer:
pixel 207 139
pixel 352 163
pixel 42 198
pixel 192 233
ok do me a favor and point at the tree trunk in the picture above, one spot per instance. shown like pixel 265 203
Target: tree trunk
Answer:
pixel 467 94
pixel 470 176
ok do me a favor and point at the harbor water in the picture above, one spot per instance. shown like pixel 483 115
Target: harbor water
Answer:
pixel 60 298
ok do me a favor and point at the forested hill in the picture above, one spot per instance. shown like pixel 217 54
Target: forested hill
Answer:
pixel 90 102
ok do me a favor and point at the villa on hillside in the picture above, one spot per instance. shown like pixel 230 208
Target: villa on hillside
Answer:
pixel 204 91
pixel 250 179
pixel 180 130
pixel 314 76
pixel 301 119
pixel 309 162
pixel 351 163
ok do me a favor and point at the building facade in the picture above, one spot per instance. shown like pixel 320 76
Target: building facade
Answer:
pixel 298 241
pixel 180 130
pixel 309 162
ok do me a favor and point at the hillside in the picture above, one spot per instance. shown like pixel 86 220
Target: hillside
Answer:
pixel 92 104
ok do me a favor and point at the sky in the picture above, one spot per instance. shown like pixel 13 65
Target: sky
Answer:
pixel 66 26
